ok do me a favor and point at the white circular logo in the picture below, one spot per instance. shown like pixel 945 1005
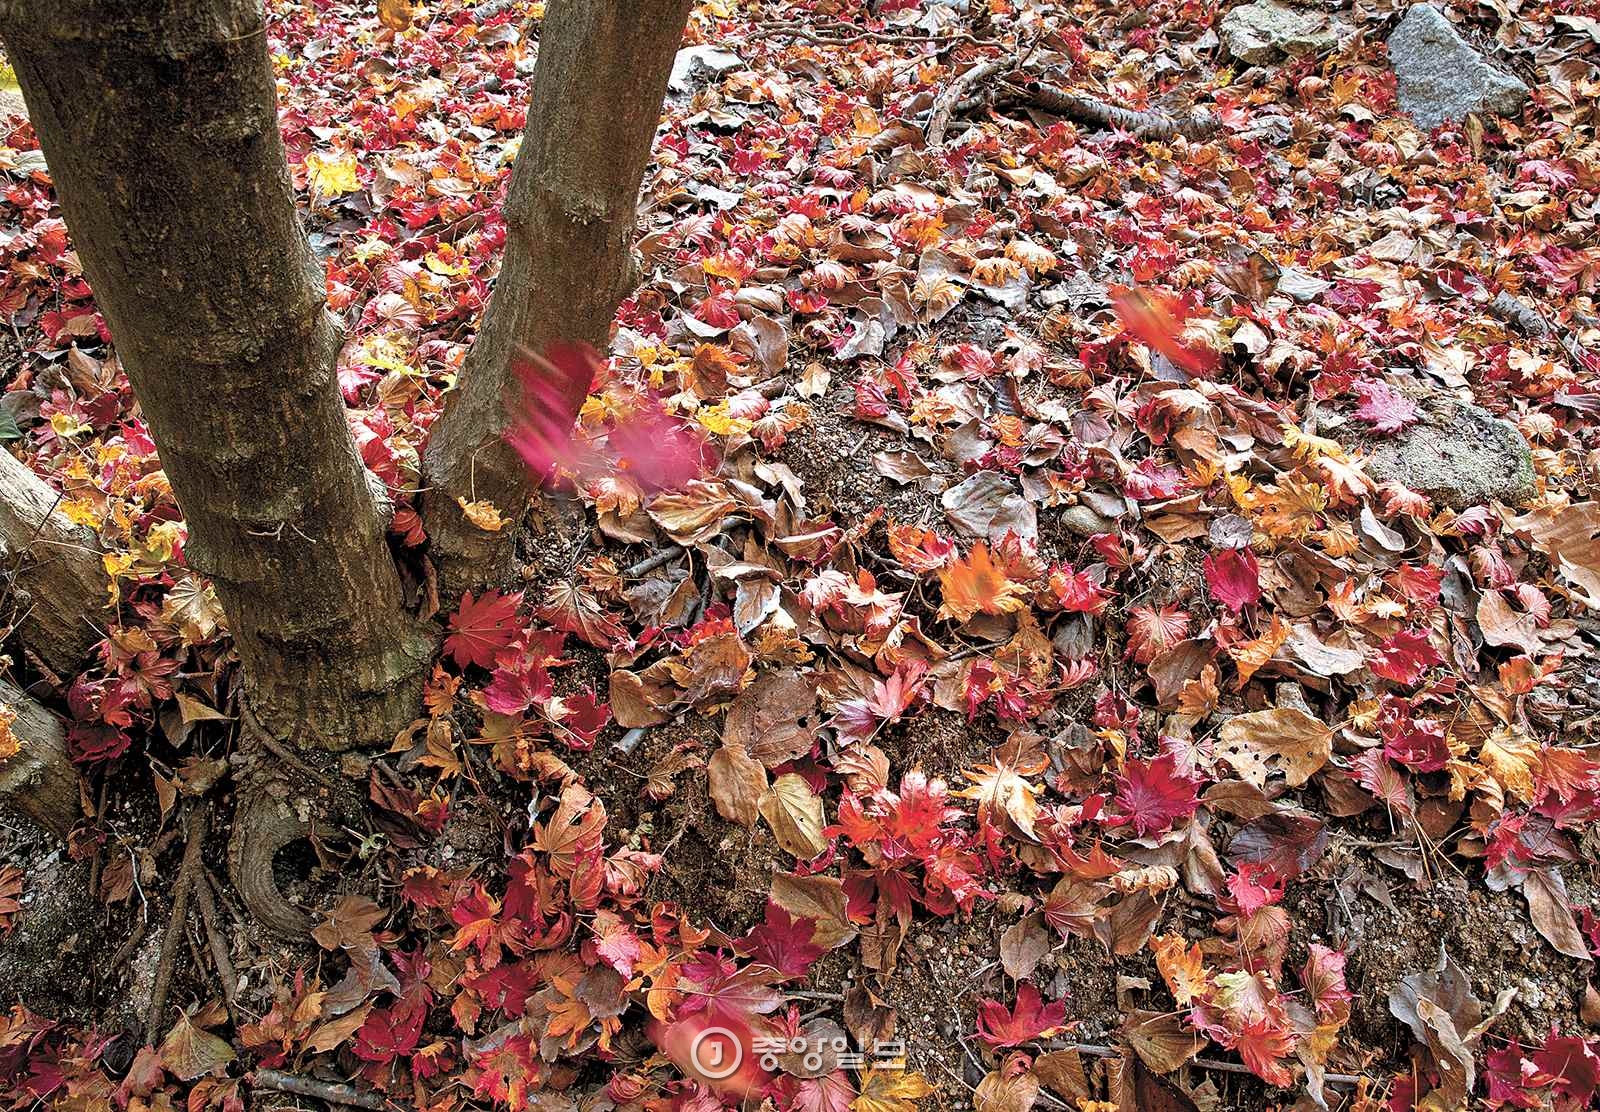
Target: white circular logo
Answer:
pixel 716 1053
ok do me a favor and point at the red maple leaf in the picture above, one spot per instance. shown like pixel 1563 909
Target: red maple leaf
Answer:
pixel 482 626
pixel 1029 1018
pixel 508 1072
pixel 782 941
pixel 389 1032
pixel 1157 319
pixel 1152 632
pixel 1323 977
pixel 616 943
pixel 1153 795
pixel 1234 577
pixel 1405 656
pixel 1383 407
pixel 1263 1044
pixel 1571 1065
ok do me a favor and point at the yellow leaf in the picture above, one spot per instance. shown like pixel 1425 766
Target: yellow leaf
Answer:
pixel 10 746
pixel 332 175
pixel 1006 799
pixel 1509 756
pixel 396 14
pixel 886 1090
pixel 1282 739
pixel 482 514
pixel 794 812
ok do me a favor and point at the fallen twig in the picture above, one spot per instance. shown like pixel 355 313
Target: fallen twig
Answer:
pixel 1530 322
pixel 780 29
pixel 194 841
pixel 945 105
pixel 215 942
pixel 629 741
pixel 331 1091
pixel 1095 1050
pixel 651 563
pixel 1148 124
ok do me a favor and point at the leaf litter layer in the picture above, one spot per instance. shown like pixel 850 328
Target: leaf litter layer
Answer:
pixel 1020 596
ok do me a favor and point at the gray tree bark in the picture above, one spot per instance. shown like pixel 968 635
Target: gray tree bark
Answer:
pixel 39 781
pixel 158 121
pixel 596 101
pixel 57 583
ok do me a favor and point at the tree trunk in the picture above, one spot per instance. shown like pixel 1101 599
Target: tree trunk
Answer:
pixel 39 780
pixel 597 89
pixel 158 120
pixel 58 582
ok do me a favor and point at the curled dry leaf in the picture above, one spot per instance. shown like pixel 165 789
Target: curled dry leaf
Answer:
pixel 1161 1039
pixel 1011 1088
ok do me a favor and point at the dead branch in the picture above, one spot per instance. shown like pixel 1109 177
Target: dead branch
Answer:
pixel 215 942
pixel 194 841
pixel 331 1091
pixel 1097 1050
pixel 1147 124
pixel 945 105
pixel 773 29
pixel 1530 322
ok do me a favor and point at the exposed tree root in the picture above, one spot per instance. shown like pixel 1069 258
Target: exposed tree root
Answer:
pixel 216 942
pixel 263 823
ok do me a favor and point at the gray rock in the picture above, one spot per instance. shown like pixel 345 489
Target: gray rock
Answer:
pixel 1458 454
pixel 1265 31
pixel 1441 78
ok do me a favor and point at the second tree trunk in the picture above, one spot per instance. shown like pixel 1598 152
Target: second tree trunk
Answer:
pixel 596 101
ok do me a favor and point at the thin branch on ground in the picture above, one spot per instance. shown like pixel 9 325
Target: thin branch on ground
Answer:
pixel 331 1091
pixel 188 872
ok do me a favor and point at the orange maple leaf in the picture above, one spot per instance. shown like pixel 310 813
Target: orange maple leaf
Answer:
pixel 975 583
pixel 1157 320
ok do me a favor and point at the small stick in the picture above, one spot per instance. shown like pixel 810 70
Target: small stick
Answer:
pixel 629 741
pixel 214 941
pixel 939 122
pixel 778 29
pixel 194 841
pixel 651 563
pixel 1094 1050
pixel 330 1091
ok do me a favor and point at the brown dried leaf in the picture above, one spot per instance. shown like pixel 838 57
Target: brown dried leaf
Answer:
pixel 1161 1039
pixel 1282 739
pixel 774 718
pixel 819 899
pixel 737 783
pixel 1551 913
